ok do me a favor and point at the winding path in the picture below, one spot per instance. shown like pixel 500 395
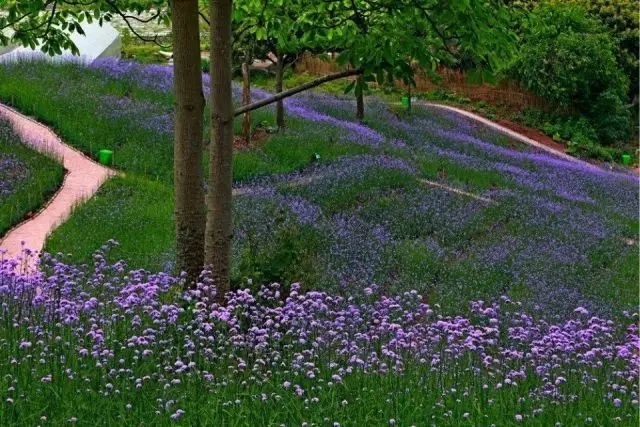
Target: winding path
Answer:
pixel 82 180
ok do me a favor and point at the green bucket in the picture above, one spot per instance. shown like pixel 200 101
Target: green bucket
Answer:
pixel 105 157
pixel 626 159
pixel 406 103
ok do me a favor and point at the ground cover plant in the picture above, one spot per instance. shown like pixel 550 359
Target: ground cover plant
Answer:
pixel 132 347
pixel 398 297
pixel 27 179
pixel 549 232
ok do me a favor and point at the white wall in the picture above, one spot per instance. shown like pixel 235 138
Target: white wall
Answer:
pixel 97 42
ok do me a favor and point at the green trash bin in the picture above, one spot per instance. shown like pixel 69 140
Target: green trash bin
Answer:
pixel 105 157
pixel 406 103
pixel 626 159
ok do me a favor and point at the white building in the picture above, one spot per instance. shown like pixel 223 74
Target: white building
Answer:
pixel 97 42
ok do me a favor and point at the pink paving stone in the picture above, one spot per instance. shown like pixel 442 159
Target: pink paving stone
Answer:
pixel 83 178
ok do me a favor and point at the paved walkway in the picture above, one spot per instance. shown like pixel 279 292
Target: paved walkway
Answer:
pixel 83 178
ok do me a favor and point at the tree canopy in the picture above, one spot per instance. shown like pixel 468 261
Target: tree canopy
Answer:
pixel 48 24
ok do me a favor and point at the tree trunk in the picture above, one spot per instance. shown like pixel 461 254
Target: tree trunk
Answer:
pixel 219 223
pixel 246 99
pixel 279 79
pixel 359 99
pixel 187 167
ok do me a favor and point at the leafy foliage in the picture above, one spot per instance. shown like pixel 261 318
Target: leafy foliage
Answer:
pixel 383 38
pixel 622 20
pixel 567 58
pixel 49 24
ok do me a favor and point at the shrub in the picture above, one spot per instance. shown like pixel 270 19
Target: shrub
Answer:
pixel 581 138
pixel 621 19
pixel 610 117
pixel 568 59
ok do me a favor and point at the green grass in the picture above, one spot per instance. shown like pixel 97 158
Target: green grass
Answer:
pixel 145 53
pixel 290 151
pixel 448 170
pixel 416 397
pixel 137 149
pixel 136 211
pixel 43 176
pixel 268 81
pixel 345 194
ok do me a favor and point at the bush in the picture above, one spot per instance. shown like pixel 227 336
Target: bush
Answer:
pixel 571 130
pixel 568 59
pixel 610 117
pixel 581 138
pixel 621 19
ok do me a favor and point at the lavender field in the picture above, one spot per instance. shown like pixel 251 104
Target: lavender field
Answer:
pixel 431 272
pixel 27 179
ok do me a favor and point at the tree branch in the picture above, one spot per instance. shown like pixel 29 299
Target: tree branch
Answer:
pixel 143 20
pixel 295 90
pixel 53 14
pixel 125 18
pixel 204 18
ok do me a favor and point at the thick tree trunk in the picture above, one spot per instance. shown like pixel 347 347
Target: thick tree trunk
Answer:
pixel 359 100
pixel 279 80
pixel 219 224
pixel 189 110
pixel 246 100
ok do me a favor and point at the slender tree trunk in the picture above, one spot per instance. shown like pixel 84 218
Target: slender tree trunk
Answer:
pixel 187 168
pixel 279 80
pixel 219 223
pixel 246 99
pixel 359 99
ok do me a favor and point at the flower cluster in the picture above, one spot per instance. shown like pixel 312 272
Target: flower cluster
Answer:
pixel 116 335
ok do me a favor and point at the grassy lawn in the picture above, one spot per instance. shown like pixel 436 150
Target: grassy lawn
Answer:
pixel 27 179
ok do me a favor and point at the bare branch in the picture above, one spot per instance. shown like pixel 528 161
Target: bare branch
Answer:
pixel 295 90
pixel 204 18
pixel 125 18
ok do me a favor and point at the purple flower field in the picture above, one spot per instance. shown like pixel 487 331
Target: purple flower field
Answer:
pixel 128 342
pixel 13 171
pixel 27 178
pixel 508 301
pixel 554 234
